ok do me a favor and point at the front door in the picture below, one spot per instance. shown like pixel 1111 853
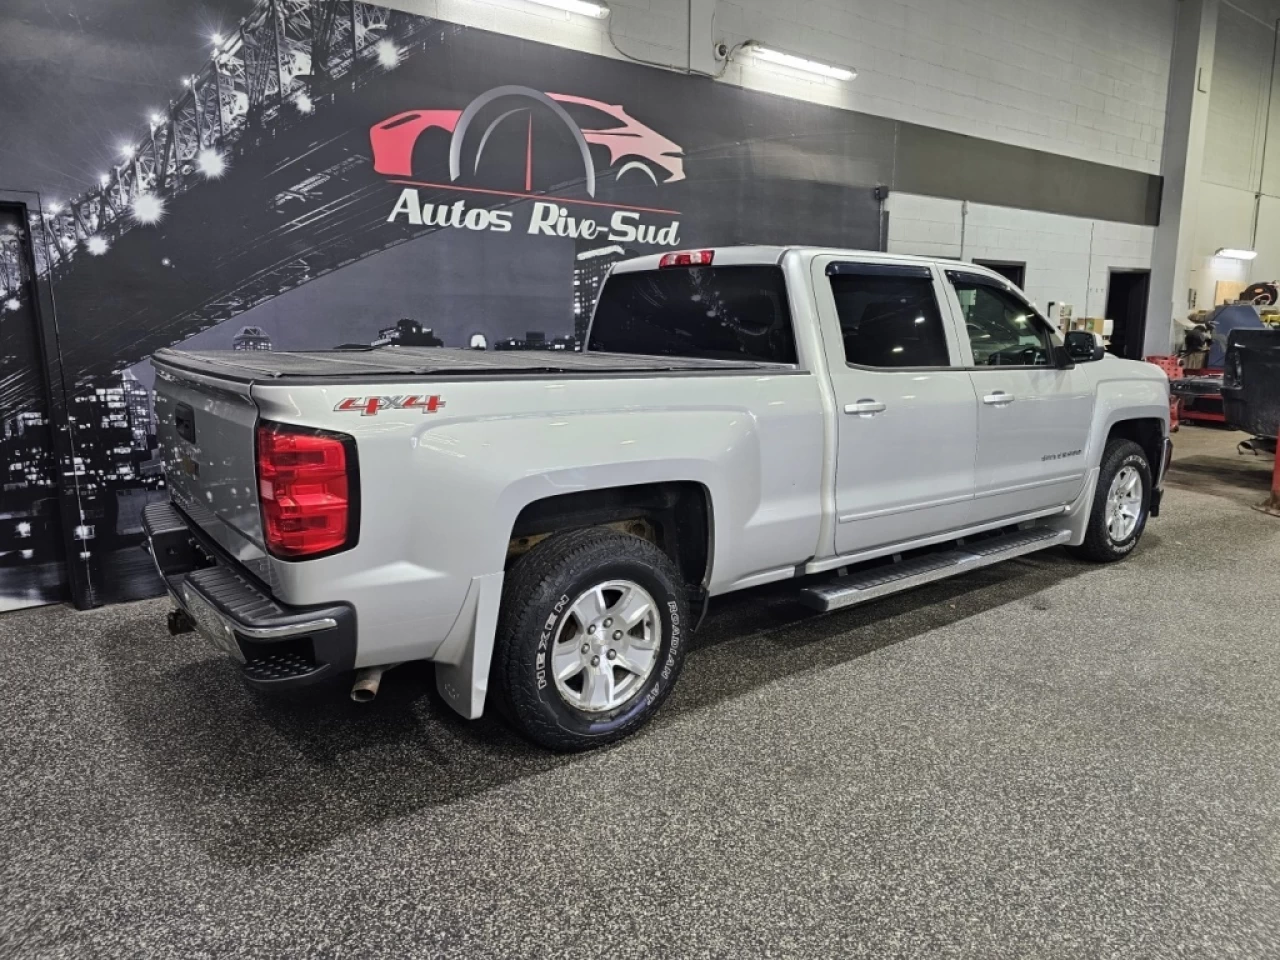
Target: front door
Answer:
pixel 1033 415
pixel 906 411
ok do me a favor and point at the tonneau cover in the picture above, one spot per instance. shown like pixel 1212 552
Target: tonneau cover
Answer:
pixel 392 363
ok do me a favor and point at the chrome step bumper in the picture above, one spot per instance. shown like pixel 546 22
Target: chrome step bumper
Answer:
pixel 863 585
pixel 277 645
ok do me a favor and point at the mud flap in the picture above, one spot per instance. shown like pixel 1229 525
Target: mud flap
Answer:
pixel 462 665
pixel 1076 519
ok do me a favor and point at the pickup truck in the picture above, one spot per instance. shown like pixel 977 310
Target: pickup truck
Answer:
pixel 547 528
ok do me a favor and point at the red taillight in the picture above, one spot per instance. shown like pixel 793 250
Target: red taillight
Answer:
pixel 688 258
pixel 307 489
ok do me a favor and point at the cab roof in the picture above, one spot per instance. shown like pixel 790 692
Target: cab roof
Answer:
pixel 747 255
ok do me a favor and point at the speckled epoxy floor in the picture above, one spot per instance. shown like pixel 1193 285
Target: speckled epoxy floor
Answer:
pixel 1042 760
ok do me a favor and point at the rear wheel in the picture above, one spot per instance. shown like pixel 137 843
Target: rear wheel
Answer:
pixel 1121 503
pixel 590 638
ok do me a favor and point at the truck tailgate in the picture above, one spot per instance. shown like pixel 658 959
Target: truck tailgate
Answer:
pixel 206 428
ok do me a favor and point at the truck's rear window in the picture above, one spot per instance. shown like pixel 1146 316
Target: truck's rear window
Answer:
pixel 708 313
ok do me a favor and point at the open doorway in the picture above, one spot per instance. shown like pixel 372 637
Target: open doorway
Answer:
pixel 1127 310
pixel 1015 273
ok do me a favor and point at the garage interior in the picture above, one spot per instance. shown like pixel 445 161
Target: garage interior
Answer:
pixel 1041 758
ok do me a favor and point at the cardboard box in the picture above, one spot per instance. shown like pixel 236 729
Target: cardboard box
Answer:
pixel 1090 324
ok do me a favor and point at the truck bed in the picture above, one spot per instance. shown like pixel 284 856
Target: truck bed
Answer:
pixel 399 363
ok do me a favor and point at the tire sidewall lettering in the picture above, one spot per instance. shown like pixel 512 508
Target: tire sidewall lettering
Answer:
pixel 545 640
pixel 673 616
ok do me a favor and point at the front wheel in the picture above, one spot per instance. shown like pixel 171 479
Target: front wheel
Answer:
pixel 590 638
pixel 1121 503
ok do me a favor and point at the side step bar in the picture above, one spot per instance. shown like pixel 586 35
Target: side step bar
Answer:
pixel 863 585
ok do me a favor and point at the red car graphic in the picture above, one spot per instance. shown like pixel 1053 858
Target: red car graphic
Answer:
pixel 632 146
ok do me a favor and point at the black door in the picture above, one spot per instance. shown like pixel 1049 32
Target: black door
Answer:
pixel 32 562
pixel 1015 273
pixel 1127 310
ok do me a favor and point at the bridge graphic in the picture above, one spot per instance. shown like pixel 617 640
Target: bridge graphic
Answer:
pixel 154 252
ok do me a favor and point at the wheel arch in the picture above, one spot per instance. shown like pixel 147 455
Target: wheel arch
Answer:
pixel 680 512
pixel 1136 409
pixel 1146 432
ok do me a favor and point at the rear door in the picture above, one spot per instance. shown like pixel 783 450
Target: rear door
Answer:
pixel 206 430
pixel 1033 415
pixel 906 412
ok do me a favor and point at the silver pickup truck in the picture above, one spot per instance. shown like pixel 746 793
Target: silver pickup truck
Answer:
pixel 547 527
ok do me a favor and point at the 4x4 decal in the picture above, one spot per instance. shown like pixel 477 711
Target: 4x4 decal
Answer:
pixel 369 406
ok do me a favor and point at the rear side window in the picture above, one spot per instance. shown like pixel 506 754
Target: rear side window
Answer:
pixel 889 316
pixel 708 313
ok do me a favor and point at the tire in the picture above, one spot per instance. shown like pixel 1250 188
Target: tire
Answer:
pixel 570 584
pixel 1104 543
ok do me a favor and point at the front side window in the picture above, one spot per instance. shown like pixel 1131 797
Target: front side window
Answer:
pixel 707 313
pixel 1003 330
pixel 889 316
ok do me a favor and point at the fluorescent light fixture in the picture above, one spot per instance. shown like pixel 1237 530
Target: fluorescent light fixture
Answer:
pixel 1231 253
pixel 583 7
pixel 800 63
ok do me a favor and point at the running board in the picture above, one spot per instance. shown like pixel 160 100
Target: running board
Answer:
pixel 863 585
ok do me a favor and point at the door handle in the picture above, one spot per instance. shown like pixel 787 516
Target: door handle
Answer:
pixel 865 408
pixel 998 399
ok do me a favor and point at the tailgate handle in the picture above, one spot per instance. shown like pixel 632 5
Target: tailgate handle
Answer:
pixel 184 420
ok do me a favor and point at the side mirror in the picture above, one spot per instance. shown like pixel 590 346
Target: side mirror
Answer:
pixel 1085 347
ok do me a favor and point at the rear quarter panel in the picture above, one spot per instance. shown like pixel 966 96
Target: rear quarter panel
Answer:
pixel 441 491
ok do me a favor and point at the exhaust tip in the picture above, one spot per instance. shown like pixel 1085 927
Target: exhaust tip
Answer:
pixel 367 682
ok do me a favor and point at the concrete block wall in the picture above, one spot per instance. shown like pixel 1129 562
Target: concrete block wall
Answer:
pixel 1068 259
pixel 1085 78
pixel 656 30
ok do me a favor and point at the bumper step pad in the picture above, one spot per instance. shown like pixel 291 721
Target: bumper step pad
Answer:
pixel 284 666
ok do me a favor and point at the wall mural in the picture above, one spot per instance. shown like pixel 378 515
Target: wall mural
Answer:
pixel 340 173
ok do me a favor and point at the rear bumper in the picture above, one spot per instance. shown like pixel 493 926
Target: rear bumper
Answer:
pixel 277 645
